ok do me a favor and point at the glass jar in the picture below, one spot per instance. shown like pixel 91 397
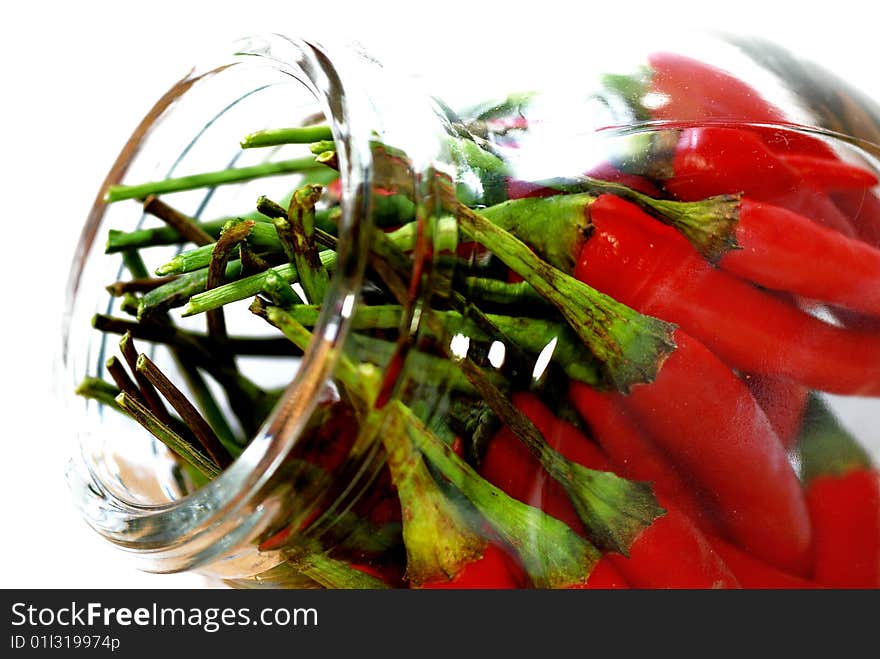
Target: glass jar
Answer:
pixel 606 330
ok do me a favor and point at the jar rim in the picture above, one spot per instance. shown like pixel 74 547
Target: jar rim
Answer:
pixel 211 522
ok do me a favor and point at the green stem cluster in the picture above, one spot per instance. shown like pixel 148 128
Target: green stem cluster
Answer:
pixel 449 511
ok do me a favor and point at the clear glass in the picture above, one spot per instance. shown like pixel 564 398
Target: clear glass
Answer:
pixel 566 320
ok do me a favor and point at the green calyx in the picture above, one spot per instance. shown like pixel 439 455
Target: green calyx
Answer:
pixel 825 447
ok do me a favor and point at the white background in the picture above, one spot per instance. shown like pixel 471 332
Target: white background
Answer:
pixel 77 76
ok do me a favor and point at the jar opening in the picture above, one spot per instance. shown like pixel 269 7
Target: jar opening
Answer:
pixel 134 493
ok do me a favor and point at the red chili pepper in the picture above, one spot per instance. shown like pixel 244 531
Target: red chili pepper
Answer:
pixel 673 553
pixel 329 446
pixel 694 91
pixel 783 401
pixel 380 504
pixel 845 512
pixel 690 562
pixel 843 494
pixel 753 573
pixel 495 569
pixel 650 267
pixel 635 456
pixel 785 251
pixel 604 577
pixel 708 423
pixel 862 208
pixel 713 160
pixel 829 174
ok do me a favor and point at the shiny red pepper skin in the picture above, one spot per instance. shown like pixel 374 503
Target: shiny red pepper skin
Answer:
pixel 783 401
pixel 709 423
pixel 829 174
pixel 753 573
pixel 604 577
pixel 713 160
pixel 710 426
pixel 688 563
pixel 845 512
pixel 697 92
pixel 635 456
pixel 786 251
pixel 862 208
pixel 650 267
pixel 673 553
pixel 494 570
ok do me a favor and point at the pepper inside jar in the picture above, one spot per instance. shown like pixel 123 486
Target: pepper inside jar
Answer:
pixel 613 337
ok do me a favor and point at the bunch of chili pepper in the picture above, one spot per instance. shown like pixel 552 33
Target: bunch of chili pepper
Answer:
pixel 668 295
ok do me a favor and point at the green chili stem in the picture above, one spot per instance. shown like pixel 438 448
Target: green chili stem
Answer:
pixel 210 179
pixel 442 371
pixel 709 224
pixel 99 390
pixel 179 291
pixel 133 261
pixel 164 434
pixel 118 241
pixel 825 447
pixel 403 238
pixel 280 136
pixel 629 346
pixel 438 541
pixel 129 304
pixel 614 511
pixel 501 292
pixel 552 554
pixel 332 573
pixel 533 335
pixel 262 236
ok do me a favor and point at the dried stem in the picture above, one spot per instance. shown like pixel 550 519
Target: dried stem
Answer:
pixel 148 392
pixel 251 262
pixel 297 234
pixel 120 288
pixel 190 415
pixel 232 234
pixel 123 381
pixel 186 226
